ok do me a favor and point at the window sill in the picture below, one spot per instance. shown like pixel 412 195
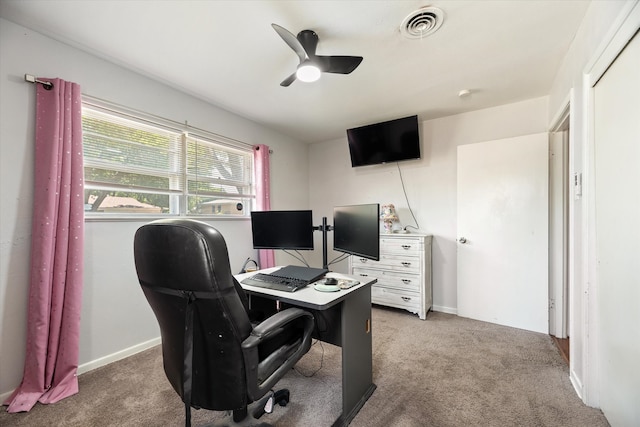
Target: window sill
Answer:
pixel 145 218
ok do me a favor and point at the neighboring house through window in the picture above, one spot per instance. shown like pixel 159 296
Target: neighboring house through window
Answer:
pixel 136 164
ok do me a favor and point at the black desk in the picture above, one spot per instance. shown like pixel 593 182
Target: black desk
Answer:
pixel 349 312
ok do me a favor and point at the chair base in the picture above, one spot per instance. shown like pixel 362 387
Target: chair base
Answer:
pixel 254 411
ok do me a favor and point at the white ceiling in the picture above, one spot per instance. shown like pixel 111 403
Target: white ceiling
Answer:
pixel 226 53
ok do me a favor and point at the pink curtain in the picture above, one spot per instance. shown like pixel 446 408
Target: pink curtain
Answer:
pixel 55 289
pixel 266 257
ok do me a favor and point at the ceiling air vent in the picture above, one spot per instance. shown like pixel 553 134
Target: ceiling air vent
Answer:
pixel 422 22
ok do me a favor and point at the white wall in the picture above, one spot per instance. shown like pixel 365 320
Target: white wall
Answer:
pixel 430 182
pixel 598 26
pixel 115 315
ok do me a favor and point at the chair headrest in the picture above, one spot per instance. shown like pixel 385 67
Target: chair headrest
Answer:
pixel 182 254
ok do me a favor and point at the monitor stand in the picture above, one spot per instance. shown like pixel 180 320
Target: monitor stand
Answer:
pixel 324 228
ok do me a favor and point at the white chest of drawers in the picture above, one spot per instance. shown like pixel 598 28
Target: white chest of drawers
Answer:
pixel 403 272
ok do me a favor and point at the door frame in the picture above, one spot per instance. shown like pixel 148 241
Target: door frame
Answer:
pixel 561 221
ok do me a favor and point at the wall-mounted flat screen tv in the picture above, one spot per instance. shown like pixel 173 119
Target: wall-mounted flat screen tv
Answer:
pixel 282 230
pixel 390 141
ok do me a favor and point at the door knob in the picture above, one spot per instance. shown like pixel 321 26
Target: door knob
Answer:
pixel 462 240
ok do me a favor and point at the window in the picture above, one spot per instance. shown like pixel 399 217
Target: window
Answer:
pixel 136 165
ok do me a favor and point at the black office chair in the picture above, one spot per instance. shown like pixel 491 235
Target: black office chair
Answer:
pixel 213 356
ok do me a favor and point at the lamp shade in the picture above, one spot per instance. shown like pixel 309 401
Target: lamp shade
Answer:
pixel 388 213
pixel 388 216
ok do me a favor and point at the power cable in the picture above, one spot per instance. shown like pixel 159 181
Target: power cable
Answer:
pixel 417 227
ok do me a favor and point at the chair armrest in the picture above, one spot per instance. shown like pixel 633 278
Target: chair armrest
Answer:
pixel 272 325
pixel 262 332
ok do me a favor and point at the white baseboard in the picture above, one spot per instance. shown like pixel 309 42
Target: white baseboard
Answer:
pixel 577 385
pixel 5 396
pixel 443 309
pixel 114 357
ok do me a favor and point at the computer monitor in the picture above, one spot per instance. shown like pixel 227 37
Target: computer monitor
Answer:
pixel 356 230
pixel 282 230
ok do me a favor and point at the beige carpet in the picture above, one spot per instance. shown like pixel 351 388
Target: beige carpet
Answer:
pixel 445 371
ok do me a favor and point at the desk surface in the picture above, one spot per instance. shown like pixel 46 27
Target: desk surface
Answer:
pixel 306 297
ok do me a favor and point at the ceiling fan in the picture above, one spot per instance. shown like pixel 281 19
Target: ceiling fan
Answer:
pixel 312 65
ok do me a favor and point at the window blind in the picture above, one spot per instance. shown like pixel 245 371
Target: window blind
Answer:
pixel 134 165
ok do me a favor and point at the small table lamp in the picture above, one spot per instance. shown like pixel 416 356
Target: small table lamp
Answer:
pixel 388 216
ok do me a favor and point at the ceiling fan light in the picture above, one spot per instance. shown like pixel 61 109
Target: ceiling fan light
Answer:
pixel 308 73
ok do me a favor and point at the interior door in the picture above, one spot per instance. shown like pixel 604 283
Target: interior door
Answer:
pixel 502 261
pixel 559 231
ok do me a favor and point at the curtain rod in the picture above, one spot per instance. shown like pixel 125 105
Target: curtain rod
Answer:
pixel 32 79
pixel 48 86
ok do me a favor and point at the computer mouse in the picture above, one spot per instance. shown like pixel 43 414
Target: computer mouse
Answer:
pixel 330 281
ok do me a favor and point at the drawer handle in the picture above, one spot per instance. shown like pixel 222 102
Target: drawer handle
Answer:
pixel 406 246
pixel 406 264
pixel 407 281
pixel 406 299
pixel 363 260
pixel 364 275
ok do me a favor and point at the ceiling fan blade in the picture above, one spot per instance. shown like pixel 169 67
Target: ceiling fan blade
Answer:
pixel 286 82
pixel 292 41
pixel 337 64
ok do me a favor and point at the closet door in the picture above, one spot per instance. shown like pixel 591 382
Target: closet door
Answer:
pixel 617 199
